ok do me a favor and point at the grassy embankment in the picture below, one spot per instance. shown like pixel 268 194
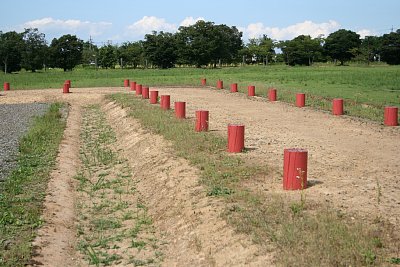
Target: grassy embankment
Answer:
pixel 366 90
pixel 22 194
pixel 304 233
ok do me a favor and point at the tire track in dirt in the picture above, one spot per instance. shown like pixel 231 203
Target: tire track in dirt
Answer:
pixel 353 163
pixel 194 231
pixel 55 241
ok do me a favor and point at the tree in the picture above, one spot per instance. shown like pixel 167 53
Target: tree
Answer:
pixel 90 54
pixel 107 56
pixel 302 50
pixel 66 52
pixel 11 47
pixel 261 50
pixel 161 49
pixel 131 53
pixel 391 48
pixel 339 44
pixel 205 42
pixel 34 56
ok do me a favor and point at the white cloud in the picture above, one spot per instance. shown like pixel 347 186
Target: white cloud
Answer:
pixel 190 21
pixel 68 26
pixel 149 24
pixel 307 27
pixel 365 32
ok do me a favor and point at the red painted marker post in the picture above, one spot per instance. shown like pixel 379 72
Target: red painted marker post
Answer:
pixel 337 106
pixel 201 121
pixel 391 116
pixel 220 84
pixel 295 169
pixel 234 88
pixel 251 90
pixel 180 110
pixel 69 83
pixel 66 88
pixel 153 97
pixel 133 86
pixel 145 92
pixel 203 82
pixel 165 102
pixel 6 86
pixel 272 94
pixel 126 82
pixel 235 138
pixel 138 89
pixel 300 100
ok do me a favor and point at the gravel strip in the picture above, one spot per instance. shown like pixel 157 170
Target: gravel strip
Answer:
pixel 14 122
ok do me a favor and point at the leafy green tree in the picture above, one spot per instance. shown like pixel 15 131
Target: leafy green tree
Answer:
pixel 90 53
pixel 339 45
pixel 11 47
pixel 66 52
pixel 161 49
pixel 34 56
pixel 369 49
pixel 391 48
pixel 261 50
pixel 302 50
pixel 108 56
pixel 131 53
pixel 204 43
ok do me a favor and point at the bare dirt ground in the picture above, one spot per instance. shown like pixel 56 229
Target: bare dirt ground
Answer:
pixel 188 221
pixel 353 164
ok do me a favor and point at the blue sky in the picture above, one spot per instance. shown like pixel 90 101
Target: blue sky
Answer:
pixel 124 20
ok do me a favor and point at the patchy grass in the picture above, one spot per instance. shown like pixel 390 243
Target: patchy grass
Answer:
pixel 113 225
pixel 365 89
pixel 304 233
pixel 23 192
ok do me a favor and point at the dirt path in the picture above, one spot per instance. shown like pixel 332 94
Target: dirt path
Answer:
pixel 192 231
pixel 352 163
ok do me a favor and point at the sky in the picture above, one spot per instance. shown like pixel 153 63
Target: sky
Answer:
pixel 119 21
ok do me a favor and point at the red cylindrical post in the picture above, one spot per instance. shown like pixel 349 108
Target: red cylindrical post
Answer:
pixel 153 97
pixel 391 116
pixel 272 94
pixel 145 92
pixel 133 86
pixel 220 84
pixel 126 82
pixel 6 86
pixel 203 82
pixel 138 89
pixel 295 169
pixel 180 110
pixel 251 90
pixel 234 87
pixel 66 88
pixel 201 121
pixel 337 106
pixel 165 102
pixel 69 83
pixel 235 138
pixel 300 100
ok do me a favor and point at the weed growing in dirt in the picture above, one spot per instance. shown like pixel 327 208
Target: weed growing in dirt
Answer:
pixel 113 222
pixel 305 234
pixel 23 192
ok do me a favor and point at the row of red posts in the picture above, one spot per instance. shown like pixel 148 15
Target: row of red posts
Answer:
pixel 294 159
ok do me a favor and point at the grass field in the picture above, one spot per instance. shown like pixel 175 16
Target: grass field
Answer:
pixel 366 90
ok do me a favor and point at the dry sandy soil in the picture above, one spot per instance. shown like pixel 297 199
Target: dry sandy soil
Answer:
pixel 353 164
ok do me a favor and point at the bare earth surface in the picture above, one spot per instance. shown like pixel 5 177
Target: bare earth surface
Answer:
pixel 352 163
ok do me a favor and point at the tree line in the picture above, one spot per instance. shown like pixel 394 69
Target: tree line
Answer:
pixel 199 45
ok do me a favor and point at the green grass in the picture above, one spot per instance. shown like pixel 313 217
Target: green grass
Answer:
pixel 366 90
pixel 302 233
pixel 111 213
pixel 22 194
